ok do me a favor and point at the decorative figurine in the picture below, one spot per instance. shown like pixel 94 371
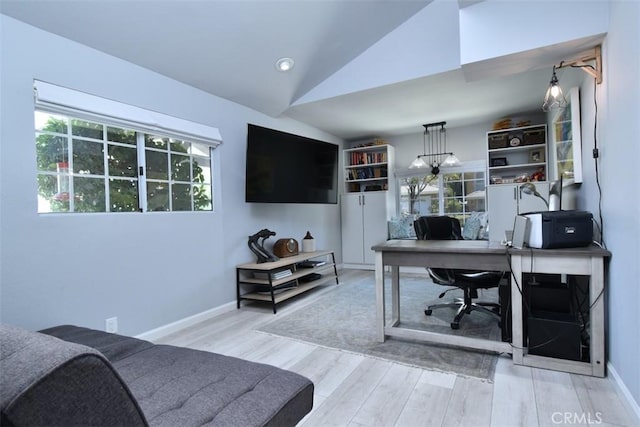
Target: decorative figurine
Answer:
pixel 258 249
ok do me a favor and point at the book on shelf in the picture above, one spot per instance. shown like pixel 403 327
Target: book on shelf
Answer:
pixel 276 275
pixel 361 158
pixel 281 288
pixel 310 278
pixel 311 264
pixel 353 187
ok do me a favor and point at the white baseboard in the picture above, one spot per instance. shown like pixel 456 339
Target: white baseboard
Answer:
pixel 622 388
pixel 186 322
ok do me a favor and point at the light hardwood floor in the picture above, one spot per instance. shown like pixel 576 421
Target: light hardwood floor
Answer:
pixel 356 390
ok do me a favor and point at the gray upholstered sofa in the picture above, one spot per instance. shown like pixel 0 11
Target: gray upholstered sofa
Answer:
pixel 69 375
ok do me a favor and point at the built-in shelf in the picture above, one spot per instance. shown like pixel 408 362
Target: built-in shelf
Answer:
pixel 517 155
pixel 368 168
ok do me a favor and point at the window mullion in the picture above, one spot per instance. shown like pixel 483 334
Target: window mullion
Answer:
pixel 70 168
pixel 105 160
pixel 191 183
pixel 142 172
pixel 169 177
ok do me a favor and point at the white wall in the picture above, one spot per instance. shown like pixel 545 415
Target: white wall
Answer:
pixel 426 44
pixel 617 126
pixel 148 270
pixel 495 28
pixel 618 130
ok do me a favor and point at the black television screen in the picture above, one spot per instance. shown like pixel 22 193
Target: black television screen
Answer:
pixel 286 168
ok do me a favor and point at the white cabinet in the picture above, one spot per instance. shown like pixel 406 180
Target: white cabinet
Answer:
pixel 364 224
pixel 508 200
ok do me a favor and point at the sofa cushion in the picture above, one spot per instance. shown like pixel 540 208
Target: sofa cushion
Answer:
pixel 47 381
pixel 181 386
pixel 475 227
pixel 402 227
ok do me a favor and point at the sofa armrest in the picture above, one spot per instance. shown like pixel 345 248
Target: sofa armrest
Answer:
pixel 47 381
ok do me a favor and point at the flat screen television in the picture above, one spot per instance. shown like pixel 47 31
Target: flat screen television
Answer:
pixel 286 168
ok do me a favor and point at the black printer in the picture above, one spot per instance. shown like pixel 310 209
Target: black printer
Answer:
pixel 560 229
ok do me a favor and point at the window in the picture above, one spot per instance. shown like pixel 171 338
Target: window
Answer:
pixel 463 193
pixel 99 155
pixel 178 175
pixel 457 192
pixel 87 166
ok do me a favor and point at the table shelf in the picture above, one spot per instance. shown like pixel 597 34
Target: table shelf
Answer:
pixel 275 290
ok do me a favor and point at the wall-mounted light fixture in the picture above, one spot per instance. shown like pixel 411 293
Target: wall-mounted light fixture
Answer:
pixel 554 98
pixel 438 156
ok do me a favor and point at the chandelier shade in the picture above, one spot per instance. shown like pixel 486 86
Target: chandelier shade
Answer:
pixel 554 98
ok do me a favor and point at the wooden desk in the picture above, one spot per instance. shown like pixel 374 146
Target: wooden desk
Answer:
pixel 483 255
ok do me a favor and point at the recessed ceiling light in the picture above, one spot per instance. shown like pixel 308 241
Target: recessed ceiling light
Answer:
pixel 284 64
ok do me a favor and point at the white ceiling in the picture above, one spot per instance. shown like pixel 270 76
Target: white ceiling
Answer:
pixel 229 48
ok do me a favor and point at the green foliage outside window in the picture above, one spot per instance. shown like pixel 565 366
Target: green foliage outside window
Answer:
pixel 461 193
pixel 94 173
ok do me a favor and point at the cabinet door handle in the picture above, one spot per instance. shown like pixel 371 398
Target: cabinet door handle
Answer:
pixel 515 197
pixel 362 200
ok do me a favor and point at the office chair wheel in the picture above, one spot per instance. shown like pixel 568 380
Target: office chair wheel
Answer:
pixel 428 312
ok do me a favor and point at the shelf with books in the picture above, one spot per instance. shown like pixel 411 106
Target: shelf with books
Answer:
pixel 368 168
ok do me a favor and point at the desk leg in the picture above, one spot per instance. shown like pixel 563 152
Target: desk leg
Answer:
pixel 516 309
pixel 596 287
pixel 380 314
pixel 395 295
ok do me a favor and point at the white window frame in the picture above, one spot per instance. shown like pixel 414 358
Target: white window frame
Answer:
pixel 72 104
pixel 465 167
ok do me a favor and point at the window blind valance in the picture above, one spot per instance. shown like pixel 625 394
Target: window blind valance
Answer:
pixel 58 99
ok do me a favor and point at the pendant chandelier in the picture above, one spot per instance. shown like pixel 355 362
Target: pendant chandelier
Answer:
pixel 435 134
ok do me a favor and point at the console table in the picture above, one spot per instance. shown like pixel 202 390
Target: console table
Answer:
pixel 484 255
pixel 264 282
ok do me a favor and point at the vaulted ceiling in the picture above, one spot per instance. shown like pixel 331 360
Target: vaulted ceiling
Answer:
pixel 349 77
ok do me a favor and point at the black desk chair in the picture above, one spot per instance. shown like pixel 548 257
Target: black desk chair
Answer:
pixel 448 228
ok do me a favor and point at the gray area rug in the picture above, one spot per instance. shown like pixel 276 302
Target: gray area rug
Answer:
pixel 344 318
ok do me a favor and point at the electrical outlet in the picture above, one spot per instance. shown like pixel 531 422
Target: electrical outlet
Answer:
pixel 111 324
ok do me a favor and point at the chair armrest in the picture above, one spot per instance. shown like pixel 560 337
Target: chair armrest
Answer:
pixel 441 276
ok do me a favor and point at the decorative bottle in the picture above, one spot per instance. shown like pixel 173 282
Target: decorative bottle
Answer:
pixel 308 243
